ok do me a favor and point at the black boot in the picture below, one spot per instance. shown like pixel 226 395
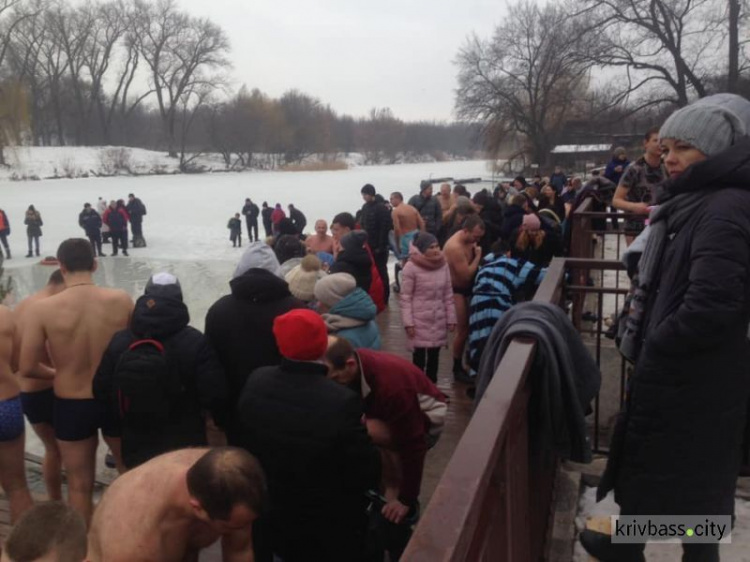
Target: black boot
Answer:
pixel 601 547
pixel 459 373
pixel 29 255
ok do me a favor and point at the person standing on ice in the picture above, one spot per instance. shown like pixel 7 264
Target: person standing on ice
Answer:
pixel 116 217
pixel 267 222
pixel 136 211
pixel 277 215
pixel 101 208
pixel 4 233
pixel 90 221
pixel 33 222
pixel 251 212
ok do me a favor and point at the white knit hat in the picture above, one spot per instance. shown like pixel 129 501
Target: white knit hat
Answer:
pixel 303 278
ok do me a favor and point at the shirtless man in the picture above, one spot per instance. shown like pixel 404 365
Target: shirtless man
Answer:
pixel 37 396
pixel 321 242
pixel 76 326
pixel 463 254
pixel 447 200
pixel 176 504
pixel 12 436
pixel 406 223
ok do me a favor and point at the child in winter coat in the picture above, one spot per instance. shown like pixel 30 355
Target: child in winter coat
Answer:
pixel 235 230
pixel 427 308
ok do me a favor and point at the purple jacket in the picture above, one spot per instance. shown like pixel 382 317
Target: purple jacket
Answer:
pixel 426 300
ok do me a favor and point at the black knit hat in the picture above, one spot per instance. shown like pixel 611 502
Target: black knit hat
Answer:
pixel 423 241
pixel 368 189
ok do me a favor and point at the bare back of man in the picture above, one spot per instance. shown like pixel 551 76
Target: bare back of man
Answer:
pixel 408 218
pixel 12 436
pixel 37 395
pixel 149 515
pixel 406 223
pixel 75 327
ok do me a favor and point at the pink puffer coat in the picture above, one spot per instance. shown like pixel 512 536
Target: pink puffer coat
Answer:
pixel 426 300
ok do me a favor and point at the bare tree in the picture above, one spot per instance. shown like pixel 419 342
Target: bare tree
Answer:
pixel 525 80
pixel 179 51
pixel 108 28
pixel 666 47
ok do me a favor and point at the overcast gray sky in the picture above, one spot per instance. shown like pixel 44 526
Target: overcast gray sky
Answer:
pixel 353 54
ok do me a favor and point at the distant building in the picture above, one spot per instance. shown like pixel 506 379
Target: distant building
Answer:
pixel 580 157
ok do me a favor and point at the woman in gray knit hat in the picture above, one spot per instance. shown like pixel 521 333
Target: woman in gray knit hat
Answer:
pixel 677 444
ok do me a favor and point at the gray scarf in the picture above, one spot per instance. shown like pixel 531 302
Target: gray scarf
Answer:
pixel 666 219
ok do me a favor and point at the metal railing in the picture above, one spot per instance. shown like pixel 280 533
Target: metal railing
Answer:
pixel 494 501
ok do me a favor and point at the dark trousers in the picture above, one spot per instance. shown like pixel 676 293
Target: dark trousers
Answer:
pixel 427 360
pixel 35 240
pixel 95 238
pixel 236 239
pixel 119 239
pixel 4 240
pixel 268 227
pixel 252 230
pixel 381 262
pixel 137 228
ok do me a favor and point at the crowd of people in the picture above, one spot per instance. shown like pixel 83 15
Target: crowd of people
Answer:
pixel 108 222
pixel 282 425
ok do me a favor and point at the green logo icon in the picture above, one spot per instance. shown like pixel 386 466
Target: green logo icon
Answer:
pixel 689 533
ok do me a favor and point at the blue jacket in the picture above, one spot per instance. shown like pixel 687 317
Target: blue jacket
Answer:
pixel 353 318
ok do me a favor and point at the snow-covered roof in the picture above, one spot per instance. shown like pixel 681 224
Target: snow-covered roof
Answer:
pixel 575 148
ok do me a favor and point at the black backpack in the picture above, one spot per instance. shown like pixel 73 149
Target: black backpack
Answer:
pixel 145 387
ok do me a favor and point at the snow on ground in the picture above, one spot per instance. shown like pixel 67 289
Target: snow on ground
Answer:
pixel 186 223
pixel 50 162
pixel 188 214
pixel 736 551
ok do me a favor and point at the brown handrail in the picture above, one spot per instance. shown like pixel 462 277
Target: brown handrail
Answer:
pixel 484 507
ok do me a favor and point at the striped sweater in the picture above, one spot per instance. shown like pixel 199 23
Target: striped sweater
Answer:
pixel 500 283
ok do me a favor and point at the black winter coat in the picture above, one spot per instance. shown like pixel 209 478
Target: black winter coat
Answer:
pixel 375 219
pixel 266 214
pixel 299 220
pixel 431 212
pixel 90 221
pixel 240 327
pixel 188 353
pixel 677 445
pixel 492 215
pixel 354 259
pixel 307 433
pixel 136 209
pixel 251 211
pixel 512 220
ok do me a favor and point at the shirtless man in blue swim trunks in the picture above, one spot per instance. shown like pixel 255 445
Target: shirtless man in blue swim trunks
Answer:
pixel 76 326
pixel 12 437
pixel 37 396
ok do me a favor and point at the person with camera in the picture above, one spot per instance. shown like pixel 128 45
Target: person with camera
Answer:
pixel 635 192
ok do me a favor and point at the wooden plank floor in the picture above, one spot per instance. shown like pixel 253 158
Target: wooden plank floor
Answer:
pixel 394 340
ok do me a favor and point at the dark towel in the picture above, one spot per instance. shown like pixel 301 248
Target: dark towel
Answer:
pixel 564 376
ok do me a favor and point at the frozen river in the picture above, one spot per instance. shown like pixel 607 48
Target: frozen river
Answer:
pixel 186 223
pixel 187 216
